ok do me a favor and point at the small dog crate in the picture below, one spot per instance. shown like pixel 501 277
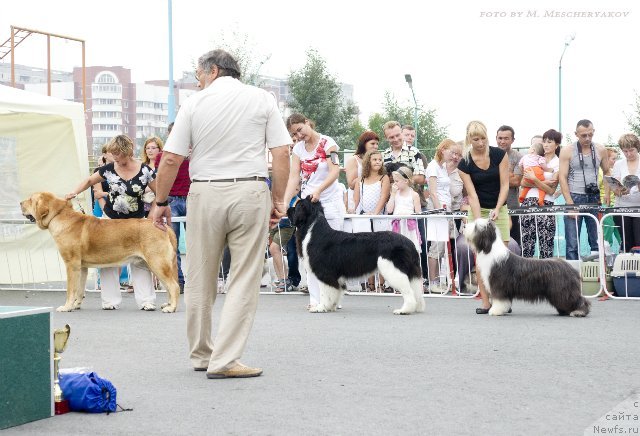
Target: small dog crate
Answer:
pixel 626 275
pixel 590 274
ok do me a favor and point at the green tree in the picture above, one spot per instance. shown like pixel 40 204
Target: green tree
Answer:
pixel 355 130
pixel 634 120
pixel 430 133
pixel 317 94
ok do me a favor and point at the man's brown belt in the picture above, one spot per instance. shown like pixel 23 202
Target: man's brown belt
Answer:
pixel 238 179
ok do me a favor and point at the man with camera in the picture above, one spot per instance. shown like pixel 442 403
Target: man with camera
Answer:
pixel 578 178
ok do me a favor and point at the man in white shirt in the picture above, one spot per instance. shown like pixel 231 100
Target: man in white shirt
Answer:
pixel 229 125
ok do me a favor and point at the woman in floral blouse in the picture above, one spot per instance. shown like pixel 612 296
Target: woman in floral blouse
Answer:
pixel 127 179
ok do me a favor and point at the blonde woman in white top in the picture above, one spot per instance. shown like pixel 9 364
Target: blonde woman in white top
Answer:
pixel 439 198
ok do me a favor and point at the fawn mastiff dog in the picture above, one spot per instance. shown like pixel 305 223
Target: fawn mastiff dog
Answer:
pixel 85 241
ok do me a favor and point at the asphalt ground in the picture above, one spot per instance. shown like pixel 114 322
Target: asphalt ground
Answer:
pixel 359 371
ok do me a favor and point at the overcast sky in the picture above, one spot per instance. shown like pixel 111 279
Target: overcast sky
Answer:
pixel 468 60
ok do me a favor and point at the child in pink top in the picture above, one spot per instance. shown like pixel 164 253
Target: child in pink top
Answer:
pixel 536 161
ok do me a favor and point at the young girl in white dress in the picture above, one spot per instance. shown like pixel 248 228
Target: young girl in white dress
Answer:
pixel 404 201
pixel 370 194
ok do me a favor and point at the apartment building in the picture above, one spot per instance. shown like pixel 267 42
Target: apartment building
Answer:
pixel 114 104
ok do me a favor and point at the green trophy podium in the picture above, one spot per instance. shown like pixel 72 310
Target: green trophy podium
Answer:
pixel 26 364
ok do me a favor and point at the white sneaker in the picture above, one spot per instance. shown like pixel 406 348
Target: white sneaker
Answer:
pixel 150 307
pixel 438 289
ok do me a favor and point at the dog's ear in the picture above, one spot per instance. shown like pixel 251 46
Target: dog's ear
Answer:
pixel 303 212
pixel 495 230
pixel 317 208
pixel 296 214
pixel 46 207
pixel 40 210
pixel 485 236
pixel 291 213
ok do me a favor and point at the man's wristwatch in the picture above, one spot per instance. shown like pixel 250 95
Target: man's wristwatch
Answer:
pixel 163 203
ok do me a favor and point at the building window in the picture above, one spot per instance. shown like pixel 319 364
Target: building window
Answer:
pixel 106 77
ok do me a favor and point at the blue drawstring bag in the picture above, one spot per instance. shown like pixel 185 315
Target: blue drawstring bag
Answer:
pixel 87 392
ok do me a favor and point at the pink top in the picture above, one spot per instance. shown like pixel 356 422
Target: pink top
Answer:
pixel 532 160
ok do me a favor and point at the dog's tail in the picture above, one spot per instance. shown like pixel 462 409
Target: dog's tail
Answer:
pixel 583 308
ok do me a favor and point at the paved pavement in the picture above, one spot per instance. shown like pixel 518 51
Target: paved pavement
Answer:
pixel 359 371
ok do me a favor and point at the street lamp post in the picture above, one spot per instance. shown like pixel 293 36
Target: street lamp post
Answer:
pixel 566 44
pixel 171 99
pixel 407 77
pixel 255 76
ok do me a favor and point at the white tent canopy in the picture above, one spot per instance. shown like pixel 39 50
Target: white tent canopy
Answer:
pixel 43 147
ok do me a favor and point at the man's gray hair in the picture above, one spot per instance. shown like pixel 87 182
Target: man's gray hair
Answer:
pixel 226 63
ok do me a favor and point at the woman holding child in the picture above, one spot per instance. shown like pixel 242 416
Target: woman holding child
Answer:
pixel 537 190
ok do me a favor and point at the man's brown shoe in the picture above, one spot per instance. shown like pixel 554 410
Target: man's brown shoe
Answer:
pixel 238 371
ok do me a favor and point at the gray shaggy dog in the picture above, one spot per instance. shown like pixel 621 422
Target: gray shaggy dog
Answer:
pixel 507 276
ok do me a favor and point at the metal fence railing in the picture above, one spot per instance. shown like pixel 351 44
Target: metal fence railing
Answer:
pixel 448 268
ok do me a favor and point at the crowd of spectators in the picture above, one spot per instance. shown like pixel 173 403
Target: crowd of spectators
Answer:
pixel 485 180
pixel 470 175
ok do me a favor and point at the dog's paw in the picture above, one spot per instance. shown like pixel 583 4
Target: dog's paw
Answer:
pixel 402 311
pixel 318 309
pixel 168 308
pixel 495 312
pixel 65 308
pixel 77 304
pixel 148 307
pixel 578 314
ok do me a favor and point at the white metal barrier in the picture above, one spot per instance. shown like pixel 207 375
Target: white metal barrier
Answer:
pixel 33 266
pixel 586 258
pixel 41 268
pixel 445 272
pixel 620 274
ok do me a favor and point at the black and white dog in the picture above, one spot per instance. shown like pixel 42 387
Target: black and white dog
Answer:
pixel 507 276
pixel 335 256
